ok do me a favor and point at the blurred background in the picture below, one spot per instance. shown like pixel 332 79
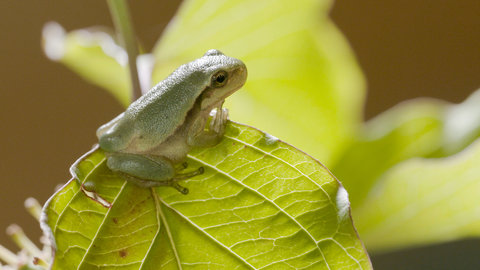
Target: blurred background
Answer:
pixel 48 115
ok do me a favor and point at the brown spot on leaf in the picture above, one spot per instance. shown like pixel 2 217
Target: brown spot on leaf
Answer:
pixel 123 253
pixel 115 220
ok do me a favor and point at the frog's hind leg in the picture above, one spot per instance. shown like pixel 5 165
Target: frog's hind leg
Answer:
pixel 152 168
pixel 149 171
pixel 173 182
pixel 147 183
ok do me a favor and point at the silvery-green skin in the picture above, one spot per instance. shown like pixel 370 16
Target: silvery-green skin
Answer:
pixel 152 137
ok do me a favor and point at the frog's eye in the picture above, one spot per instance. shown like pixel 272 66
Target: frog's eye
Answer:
pixel 219 79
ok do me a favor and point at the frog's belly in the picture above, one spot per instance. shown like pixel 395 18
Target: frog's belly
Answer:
pixel 175 151
pixel 174 148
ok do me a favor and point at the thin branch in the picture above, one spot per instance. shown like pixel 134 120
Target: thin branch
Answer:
pixel 124 28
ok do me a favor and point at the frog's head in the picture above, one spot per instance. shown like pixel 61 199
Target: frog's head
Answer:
pixel 226 75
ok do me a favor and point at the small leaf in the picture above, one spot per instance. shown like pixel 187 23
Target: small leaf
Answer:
pixel 424 201
pixel 462 124
pixel 261 204
pixel 91 53
pixel 304 85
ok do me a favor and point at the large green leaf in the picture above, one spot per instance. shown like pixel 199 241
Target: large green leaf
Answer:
pixel 394 192
pixel 423 201
pixel 261 204
pixel 303 85
pixel 93 54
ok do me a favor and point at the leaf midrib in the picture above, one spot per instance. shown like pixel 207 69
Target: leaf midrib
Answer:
pixel 160 214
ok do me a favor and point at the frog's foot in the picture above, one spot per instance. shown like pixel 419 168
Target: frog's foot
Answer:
pixel 180 188
pixel 184 176
pixel 151 183
pixel 174 181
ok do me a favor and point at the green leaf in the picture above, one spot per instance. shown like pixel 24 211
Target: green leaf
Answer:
pixel 261 204
pixel 304 85
pixel 417 128
pixel 411 129
pixel 423 201
pixel 93 54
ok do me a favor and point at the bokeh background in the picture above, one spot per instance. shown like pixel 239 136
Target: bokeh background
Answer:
pixel 48 115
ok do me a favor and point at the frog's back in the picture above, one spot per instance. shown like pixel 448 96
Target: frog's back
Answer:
pixel 164 108
pixel 156 115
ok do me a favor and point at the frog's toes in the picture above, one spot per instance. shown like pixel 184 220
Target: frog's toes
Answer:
pixel 191 174
pixel 180 188
pixel 224 115
pixel 174 181
pixel 181 166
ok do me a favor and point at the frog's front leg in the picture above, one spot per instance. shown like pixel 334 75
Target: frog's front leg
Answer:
pixel 148 170
pixel 219 121
pixel 198 136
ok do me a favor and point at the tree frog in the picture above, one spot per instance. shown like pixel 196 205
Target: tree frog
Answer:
pixel 148 143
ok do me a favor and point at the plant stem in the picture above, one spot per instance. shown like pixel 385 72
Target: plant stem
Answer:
pixel 124 28
pixel 33 207
pixel 22 241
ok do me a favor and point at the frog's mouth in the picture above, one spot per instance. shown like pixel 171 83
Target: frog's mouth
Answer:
pixel 216 108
